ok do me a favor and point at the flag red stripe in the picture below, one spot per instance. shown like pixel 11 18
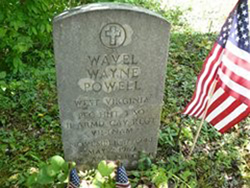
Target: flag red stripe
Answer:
pixel 231 65
pixel 202 106
pixel 120 185
pixel 233 93
pixel 237 60
pixel 204 91
pixel 226 112
pixel 236 78
pixel 201 112
pixel 198 78
pixel 71 185
pixel 216 103
pixel 235 121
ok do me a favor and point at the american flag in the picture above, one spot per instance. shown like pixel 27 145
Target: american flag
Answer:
pixel 227 65
pixel 74 180
pixel 122 178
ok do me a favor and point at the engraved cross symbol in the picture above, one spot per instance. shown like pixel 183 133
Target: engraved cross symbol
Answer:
pixel 113 33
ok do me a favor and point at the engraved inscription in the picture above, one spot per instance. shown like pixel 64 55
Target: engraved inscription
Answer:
pixel 119 148
pixel 107 86
pixel 112 59
pixel 112 35
pixel 110 78
pixel 85 124
pixel 110 73
pixel 86 102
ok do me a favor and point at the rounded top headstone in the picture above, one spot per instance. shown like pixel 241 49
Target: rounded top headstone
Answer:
pixel 110 63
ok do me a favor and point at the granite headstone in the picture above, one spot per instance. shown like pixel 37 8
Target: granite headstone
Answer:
pixel 111 63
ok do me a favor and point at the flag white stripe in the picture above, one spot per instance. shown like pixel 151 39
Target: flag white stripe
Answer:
pixel 215 96
pixel 202 108
pixel 226 107
pixel 206 71
pixel 219 109
pixel 215 66
pixel 237 51
pixel 236 69
pixel 237 112
pixel 204 103
pixel 233 85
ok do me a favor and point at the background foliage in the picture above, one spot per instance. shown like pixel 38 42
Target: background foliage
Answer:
pixel 26 27
pixel 29 124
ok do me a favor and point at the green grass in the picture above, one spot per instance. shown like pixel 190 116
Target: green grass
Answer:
pixel 30 132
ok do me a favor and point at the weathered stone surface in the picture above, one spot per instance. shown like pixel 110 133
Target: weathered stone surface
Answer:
pixel 111 62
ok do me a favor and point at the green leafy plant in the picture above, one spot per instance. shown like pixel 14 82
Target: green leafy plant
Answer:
pixel 25 32
pixel 160 178
pixel 104 177
pixel 29 125
pixel 54 171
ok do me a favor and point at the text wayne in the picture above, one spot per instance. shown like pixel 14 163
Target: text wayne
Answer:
pixel 112 73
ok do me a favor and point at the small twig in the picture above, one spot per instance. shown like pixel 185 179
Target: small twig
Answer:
pixel 180 130
pixel 173 114
pixel 70 166
pixel 181 180
pixel 203 118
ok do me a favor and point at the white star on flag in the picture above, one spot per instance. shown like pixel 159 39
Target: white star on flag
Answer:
pixel 225 76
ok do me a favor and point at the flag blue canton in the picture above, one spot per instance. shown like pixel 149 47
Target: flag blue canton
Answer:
pixel 222 95
pixel 122 178
pixel 74 180
pixel 236 28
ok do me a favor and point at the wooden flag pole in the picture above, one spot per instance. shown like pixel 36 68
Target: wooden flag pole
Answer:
pixel 70 168
pixel 203 118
